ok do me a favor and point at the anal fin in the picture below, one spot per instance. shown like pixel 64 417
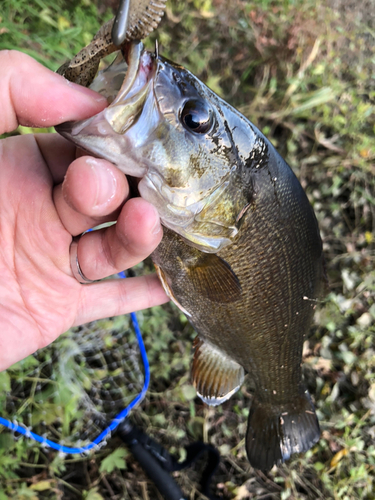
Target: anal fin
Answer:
pixel 216 377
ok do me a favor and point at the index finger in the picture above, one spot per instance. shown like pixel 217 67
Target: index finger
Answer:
pixel 32 95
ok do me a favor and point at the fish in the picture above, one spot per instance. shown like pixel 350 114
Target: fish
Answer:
pixel 241 254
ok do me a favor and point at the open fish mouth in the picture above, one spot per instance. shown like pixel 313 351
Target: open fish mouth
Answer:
pixel 99 135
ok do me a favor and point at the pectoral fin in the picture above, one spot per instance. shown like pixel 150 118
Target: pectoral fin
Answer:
pixel 215 376
pixel 168 289
pixel 212 277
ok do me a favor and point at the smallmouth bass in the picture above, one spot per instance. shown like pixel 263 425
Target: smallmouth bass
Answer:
pixel 241 254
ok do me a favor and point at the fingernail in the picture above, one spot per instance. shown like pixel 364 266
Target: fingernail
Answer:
pixel 157 226
pixel 106 182
pixel 88 92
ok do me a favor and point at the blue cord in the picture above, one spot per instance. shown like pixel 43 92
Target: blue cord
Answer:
pixel 15 427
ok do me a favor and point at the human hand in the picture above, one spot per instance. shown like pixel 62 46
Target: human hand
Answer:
pixel 46 197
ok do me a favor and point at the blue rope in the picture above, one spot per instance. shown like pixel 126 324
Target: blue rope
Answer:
pixel 15 427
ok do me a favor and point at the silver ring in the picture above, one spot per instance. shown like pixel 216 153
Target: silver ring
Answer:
pixel 74 264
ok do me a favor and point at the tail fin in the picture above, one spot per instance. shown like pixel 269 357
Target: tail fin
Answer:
pixel 275 432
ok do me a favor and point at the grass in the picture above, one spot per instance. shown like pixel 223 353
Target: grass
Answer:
pixel 303 72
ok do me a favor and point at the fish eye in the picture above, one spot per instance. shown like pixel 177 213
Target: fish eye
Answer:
pixel 197 116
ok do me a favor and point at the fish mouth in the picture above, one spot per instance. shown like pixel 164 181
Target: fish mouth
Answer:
pixel 99 135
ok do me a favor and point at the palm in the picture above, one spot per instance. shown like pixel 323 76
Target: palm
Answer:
pixel 35 262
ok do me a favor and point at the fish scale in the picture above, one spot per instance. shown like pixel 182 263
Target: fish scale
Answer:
pixel 241 248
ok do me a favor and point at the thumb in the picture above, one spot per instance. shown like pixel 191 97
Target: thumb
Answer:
pixel 32 95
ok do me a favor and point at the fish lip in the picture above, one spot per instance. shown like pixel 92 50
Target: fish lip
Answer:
pixel 72 128
pixel 129 102
pixel 64 129
pixel 139 61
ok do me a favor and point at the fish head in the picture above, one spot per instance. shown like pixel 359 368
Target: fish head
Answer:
pixel 183 142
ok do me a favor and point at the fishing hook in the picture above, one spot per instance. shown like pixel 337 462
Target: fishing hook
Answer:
pixel 120 24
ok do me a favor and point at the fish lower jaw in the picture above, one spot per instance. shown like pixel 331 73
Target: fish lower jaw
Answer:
pixel 96 136
pixel 182 219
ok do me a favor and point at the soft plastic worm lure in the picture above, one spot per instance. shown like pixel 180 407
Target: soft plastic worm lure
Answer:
pixel 143 17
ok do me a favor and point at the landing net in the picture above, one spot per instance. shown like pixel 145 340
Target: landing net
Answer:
pixel 72 394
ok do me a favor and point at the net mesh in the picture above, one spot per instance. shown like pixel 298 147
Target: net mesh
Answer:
pixel 69 391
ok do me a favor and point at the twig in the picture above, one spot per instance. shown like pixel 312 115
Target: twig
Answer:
pixel 69 486
pixel 144 490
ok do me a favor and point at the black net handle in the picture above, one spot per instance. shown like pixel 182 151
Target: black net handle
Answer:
pixel 158 463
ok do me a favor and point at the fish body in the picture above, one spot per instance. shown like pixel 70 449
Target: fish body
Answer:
pixel 241 253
